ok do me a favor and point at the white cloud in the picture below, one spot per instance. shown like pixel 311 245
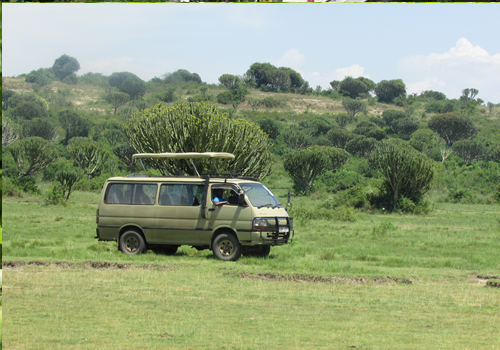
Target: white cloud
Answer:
pixel 463 66
pixel 354 71
pixel 292 58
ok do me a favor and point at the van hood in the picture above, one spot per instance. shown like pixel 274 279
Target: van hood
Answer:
pixel 270 212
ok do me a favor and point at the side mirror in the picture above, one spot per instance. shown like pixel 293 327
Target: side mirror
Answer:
pixel 241 199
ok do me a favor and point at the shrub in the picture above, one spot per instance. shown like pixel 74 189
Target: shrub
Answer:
pixel 383 228
pixel 54 195
pixel 340 180
pixel 27 184
pixel 461 195
pixel 9 189
pixel 356 197
pixel 270 127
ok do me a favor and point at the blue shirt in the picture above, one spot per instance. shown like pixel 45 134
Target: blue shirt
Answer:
pixel 217 199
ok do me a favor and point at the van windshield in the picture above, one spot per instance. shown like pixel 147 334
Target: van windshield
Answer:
pixel 260 196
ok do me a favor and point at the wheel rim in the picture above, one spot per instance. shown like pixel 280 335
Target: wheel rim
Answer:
pixel 131 244
pixel 226 247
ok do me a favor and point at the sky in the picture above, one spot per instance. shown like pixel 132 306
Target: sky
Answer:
pixel 443 47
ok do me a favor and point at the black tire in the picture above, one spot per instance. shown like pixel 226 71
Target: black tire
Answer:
pixel 132 243
pixel 226 247
pixel 260 251
pixel 166 249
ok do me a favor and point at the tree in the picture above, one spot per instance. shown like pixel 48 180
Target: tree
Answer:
pixel 254 103
pixel 42 77
pixel 278 79
pixel 304 167
pixel 469 94
pixel 230 81
pixel 199 127
pixel 452 127
pixel 270 127
pixel 407 172
pixel 87 154
pixel 342 119
pixel 116 99
pixel 388 90
pixel 235 96
pixel 74 125
pixel 168 95
pixel 114 136
pixel 353 107
pixel 6 94
pixel 128 83
pixel 296 80
pixel 361 146
pixel 9 133
pixel 65 66
pixel 32 154
pixel 364 127
pixel 335 84
pixel 181 76
pixel 400 122
pixel 297 139
pixel 28 107
pixel 429 95
pixel 124 152
pixel 316 126
pixel 42 128
pixel 470 150
pixel 257 72
pixel 339 137
pixel 490 108
pixel 353 87
pixel 338 157
pixel 68 179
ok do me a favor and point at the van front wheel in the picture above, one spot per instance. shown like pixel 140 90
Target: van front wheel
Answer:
pixel 132 242
pixel 226 247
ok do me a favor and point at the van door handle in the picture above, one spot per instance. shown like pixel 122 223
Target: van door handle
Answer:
pixel 212 209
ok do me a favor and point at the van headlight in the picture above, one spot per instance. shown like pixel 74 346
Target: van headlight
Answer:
pixel 259 224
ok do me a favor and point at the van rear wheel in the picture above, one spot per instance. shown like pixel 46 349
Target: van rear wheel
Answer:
pixel 226 247
pixel 132 243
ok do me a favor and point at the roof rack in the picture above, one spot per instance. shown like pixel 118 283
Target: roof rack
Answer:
pixel 187 155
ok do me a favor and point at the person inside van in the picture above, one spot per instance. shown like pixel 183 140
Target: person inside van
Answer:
pixel 218 200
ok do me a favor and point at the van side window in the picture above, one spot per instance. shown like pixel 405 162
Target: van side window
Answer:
pixel 180 195
pixel 144 194
pixel 138 194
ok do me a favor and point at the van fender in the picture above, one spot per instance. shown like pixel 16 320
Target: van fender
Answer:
pixel 222 229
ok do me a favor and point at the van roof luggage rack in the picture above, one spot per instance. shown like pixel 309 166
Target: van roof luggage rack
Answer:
pixel 187 155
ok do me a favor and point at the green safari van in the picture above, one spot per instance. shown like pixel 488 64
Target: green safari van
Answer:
pixel 143 212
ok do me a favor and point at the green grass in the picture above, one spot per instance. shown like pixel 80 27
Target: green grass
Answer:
pixel 383 281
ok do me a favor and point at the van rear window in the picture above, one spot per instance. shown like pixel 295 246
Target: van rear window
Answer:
pixel 180 195
pixel 127 193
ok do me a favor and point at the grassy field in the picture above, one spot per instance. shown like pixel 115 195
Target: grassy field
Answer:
pixel 381 282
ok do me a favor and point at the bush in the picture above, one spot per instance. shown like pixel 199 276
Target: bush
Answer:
pixel 9 189
pixel 27 184
pixel 341 180
pixel 93 185
pixel 356 197
pixel 272 102
pixel 54 195
pixel 461 195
